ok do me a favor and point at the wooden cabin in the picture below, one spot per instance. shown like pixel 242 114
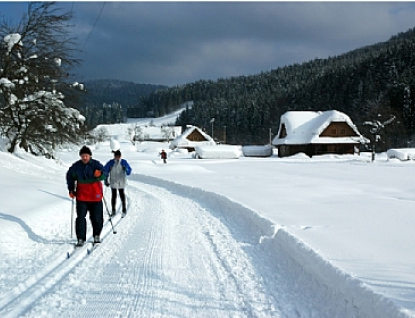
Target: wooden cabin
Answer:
pixel 191 138
pixel 317 133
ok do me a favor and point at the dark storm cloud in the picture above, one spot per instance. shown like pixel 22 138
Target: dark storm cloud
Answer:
pixel 178 42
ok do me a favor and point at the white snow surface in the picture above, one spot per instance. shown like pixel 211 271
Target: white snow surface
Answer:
pixel 330 236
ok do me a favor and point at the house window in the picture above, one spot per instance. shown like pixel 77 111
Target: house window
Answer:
pixel 343 131
pixel 334 131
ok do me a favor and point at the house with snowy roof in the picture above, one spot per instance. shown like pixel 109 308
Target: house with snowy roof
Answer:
pixel 191 138
pixel 316 133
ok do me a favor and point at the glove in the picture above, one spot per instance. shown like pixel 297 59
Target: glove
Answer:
pixel 72 194
pixel 107 184
pixel 97 173
pixel 123 168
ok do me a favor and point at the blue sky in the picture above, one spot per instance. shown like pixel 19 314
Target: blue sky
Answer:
pixel 173 43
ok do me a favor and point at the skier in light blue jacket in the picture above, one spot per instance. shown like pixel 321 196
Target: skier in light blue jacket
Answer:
pixel 116 171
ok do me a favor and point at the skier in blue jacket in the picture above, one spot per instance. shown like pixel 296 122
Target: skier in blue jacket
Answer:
pixel 116 171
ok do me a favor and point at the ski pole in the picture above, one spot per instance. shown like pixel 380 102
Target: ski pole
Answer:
pixel 73 208
pixel 108 211
pixel 72 216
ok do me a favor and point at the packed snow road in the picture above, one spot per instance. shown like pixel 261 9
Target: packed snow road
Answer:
pixel 180 253
pixel 170 258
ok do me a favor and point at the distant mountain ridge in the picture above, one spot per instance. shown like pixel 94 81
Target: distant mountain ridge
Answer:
pixel 106 101
pixel 108 91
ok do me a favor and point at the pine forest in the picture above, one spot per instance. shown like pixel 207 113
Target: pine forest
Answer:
pixel 375 82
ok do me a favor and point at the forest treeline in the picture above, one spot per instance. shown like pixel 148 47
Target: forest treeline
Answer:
pixel 106 101
pixel 375 82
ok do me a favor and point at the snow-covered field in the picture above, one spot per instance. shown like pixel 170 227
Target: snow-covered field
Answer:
pixel 330 236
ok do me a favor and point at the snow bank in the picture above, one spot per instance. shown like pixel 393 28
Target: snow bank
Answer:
pixel 401 154
pixel 348 296
pixel 257 151
pixel 218 152
pixel 305 271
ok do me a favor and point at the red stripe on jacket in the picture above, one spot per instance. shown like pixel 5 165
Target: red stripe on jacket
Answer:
pixel 91 192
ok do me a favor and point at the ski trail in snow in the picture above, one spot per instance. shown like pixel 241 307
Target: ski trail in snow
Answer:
pixel 182 252
pixel 172 258
pixel 24 295
pixel 199 255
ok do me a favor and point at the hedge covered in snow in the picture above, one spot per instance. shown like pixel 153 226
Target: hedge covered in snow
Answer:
pixel 401 154
pixel 218 152
pixel 257 151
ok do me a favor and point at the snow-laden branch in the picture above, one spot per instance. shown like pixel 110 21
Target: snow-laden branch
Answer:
pixel 11 40
pixel 33 115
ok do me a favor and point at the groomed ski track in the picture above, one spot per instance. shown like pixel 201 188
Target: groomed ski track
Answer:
pixel 184 252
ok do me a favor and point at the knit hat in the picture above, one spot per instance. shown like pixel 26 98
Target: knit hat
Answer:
pixel 117 153
pixel 85 150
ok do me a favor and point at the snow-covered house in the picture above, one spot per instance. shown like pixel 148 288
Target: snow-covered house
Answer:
pixel 316 133
pixel 191 138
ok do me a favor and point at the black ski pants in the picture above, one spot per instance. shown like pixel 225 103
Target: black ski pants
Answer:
pixel 114 199
pixel 96 216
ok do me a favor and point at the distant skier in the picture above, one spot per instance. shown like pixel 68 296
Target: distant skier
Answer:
pixel 116 171
pixel 86 174
pixel 163 156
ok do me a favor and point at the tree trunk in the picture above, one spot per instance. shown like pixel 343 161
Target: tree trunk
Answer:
pixel 13 143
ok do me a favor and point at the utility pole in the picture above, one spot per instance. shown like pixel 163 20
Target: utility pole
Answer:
pixel 224 134
pixel 212 121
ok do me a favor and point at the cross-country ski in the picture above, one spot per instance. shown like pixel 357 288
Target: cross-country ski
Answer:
pixel 73 250
pixel 92 247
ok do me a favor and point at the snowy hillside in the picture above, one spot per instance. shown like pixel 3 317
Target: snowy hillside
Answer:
pixel 330 236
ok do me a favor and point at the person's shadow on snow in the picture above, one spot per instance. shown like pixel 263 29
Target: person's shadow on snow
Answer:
pixel 32 235
pixel 55 195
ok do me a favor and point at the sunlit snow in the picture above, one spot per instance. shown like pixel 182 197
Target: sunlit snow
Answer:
pixel 330 236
